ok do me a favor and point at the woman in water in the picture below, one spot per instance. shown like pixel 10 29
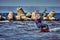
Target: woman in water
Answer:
pixel 43 27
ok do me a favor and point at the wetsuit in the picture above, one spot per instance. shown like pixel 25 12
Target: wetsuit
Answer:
pixel 38 22
pixel 43 27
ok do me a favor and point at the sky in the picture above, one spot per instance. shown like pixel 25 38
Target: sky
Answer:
pixel 30 3
pixel 39 3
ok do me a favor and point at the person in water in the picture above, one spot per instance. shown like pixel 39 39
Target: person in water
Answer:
pixel 38 22
pixel 43 27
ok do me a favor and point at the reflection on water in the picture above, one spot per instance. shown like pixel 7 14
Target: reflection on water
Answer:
pixel 27 30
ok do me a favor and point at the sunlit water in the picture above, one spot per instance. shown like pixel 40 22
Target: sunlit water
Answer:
pixel 27 30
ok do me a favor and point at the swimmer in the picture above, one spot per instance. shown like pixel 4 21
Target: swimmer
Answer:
pixel 43 27
pixel 38 22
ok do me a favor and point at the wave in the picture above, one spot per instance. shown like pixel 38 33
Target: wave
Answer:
pixel 4 21
pixel 55 29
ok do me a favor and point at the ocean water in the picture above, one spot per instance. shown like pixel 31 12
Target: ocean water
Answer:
pixel 27 30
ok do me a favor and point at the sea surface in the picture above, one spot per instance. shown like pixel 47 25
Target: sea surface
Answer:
pixel 27 30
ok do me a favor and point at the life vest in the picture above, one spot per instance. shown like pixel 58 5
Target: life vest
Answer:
pixel 44 30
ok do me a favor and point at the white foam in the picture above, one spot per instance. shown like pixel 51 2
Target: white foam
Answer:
pixel 4 21
pixel 55 29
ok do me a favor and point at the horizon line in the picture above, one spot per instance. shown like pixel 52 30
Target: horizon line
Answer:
pixel 40 6
pixel 25 12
